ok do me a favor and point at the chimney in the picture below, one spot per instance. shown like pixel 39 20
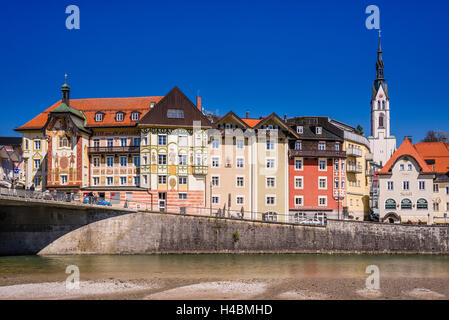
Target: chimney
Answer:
pixel 247 114
pixel 445 140
pixel 198 103
pixel 285 118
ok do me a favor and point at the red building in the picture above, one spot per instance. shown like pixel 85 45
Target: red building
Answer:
pixel 316 169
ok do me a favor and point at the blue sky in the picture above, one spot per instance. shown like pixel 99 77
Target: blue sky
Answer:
pixel 292 57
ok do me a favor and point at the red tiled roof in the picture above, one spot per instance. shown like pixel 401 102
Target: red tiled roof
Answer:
pixel 438 151
pixel 251 122
pixel 109 106
pixel 406 148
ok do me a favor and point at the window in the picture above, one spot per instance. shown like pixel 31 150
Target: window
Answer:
pixel 322 146
pixel 406 204
pixel 381 121
pixel 299 201
pixel 270 200
pixel 270 144
pixel 270 216
pixel 136 142
pixel 270 163
pixel 96 143
pixel 37 181
pixel 109 181
pixel 298 145
pixel 336 165
pixel 183 180
pixel 64 142
pixel 299 182
pixel 136 180
pixel 215 181
pixel 162 140
pixel 136 161
pixel 337 147
pixel 134 116
pixel 390 185
pixel 182 159
pixel 123 161
pixel 336 183
pixel 175 113
pixel 405 185
pixel 162 179
pixel 183 141
pixel 240 182
pixel 215 143
pixel 402 167
pixel 390 204
pixel 383 104
pixel 239 163
pixel 198 140
pixel 215 199
pixel 96 162
pixel 298 164
pixel 239 144
pixel 447 190
pixel 322 183
pixel 322 201
pixel 435 188
pixel 436 206
pixel 26 144
pixel 123 142
pixel 162 159
pixel 37 144
pixel 145 179
pixel 96 181
pixel 300 129
pixel 37 163
pixel 145 141
pixel 271 182
pixel 110 142
pixel 110 161
pixel 239 200
pixel 64 179
pixel 215 162
pixel 410 167
pixel 422 185
pixel 119 116
pixel 422 204
pixel 122 181
pixel 145 160
pixel 322 165
pixel 318 130
pixel 182 196
pixel 98 117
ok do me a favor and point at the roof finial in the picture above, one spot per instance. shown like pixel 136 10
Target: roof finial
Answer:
pixel 65 75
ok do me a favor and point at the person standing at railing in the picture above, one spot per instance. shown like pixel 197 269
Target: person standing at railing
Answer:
pixel 32 187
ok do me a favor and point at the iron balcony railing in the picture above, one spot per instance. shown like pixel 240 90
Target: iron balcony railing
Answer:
pixel 354 169
pixel 317 153
pixel 124 149
pixel 354 152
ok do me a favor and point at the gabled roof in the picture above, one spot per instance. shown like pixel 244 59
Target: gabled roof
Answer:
pixel 406 149
pixel 279 121
pixel 232 115
pixel 251 122
pixel 175 99
pixel 329 130
pixel 89 107
pixel 438 151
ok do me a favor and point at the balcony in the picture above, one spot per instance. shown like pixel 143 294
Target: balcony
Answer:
pixel 317 153
pixel 354 152
pixel 202 170
pixel 354 169
pixel 126 149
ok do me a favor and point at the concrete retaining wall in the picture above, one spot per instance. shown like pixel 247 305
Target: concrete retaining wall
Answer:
pixel 52 230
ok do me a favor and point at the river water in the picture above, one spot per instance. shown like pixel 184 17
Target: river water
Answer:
pixel 268 276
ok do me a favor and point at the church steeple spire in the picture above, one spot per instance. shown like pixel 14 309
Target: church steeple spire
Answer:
pixel 380 78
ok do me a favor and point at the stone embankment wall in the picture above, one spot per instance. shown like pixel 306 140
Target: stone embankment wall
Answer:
pixel 44 229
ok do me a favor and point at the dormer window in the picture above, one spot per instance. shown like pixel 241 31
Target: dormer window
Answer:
pixel 134 116
pixel 298 145
pixel 318 130
pixel 300 129
pixel 119 116
pixel 98 117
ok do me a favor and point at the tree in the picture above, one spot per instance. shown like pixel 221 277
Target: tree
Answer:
pixel 359 130
pixel 435 136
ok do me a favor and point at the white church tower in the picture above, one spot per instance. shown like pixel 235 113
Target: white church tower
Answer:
pixel 382 144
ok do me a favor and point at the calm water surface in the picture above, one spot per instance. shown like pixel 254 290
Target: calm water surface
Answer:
pixel 47 268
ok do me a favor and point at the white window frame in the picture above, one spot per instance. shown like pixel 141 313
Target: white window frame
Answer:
pixel 180 179
pixel 270 196
pixel 319 183
pixel 269 160
pixel 135 116
pixel 300 129
pixel 325 199
pixel 237 199
pixel 302 201
pixel 242 159
pixel 215 163
pixel 109 179
pixel 215 185
pixel 267 185
pixel 119 116
pixel 302 164
pixel 302 182
pixel 325 165
pixel 62 179
pixel 215 199
pixel 240 144
pixel 237 178
pixel 162 177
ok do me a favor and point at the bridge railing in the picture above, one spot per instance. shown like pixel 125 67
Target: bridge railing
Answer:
pixel 46 195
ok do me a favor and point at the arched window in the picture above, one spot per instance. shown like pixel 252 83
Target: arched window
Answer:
pixel 381 120
pixel 390 204
pixel 422 204
pixel 270 216
pixel 64 142
pixel 406 204
pixel 383 105
pixel 378 104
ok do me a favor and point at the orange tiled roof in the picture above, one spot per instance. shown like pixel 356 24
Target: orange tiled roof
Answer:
pixel 251 122
pixel 406 148
pixel 438 151
pixel 109 106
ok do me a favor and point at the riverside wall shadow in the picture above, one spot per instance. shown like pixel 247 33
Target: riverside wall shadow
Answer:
pixel 44 229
